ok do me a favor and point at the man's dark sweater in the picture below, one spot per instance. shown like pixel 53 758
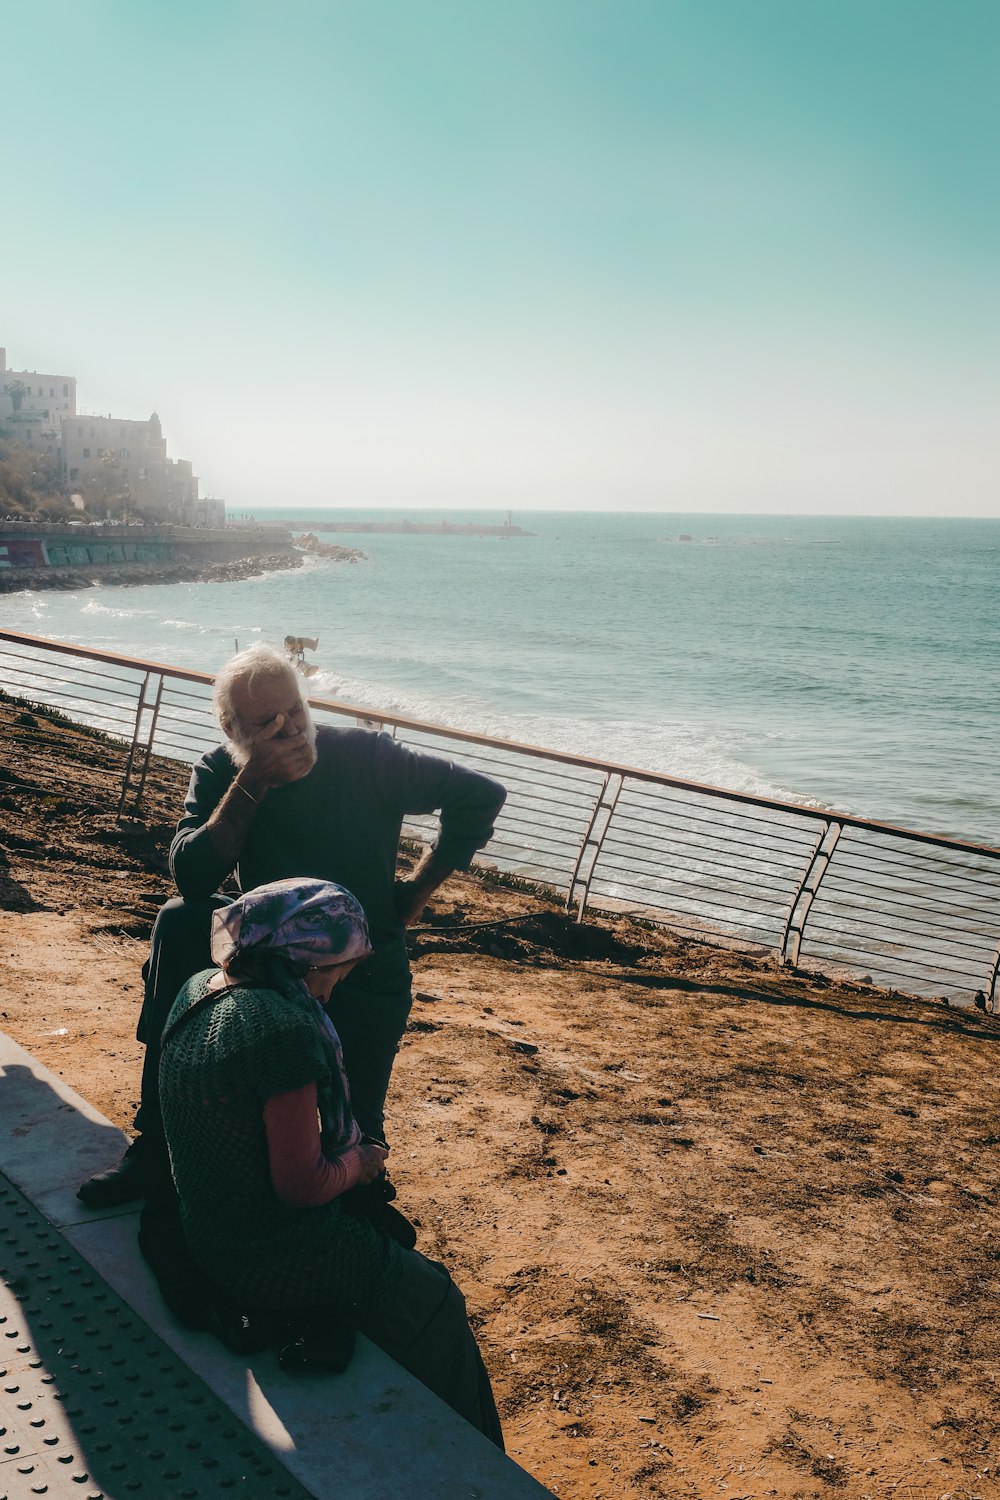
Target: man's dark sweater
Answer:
pixel 342 822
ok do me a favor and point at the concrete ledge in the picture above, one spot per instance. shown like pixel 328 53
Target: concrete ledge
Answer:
pixel 372 1433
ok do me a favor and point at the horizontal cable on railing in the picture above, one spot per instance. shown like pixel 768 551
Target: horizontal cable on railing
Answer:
pixel 64 692
pixel 804 834
pixel 517 848
pixel 563 776
pixel 879 916
pixel 188 713
pixel 900 935
pixel 170 714
pixel 638 795
pixel 971 898
pixel 612 849
pixel 712 892
pixel 33 682
pixel 523 808
pixel 911 963
pixel 501 847
pixel 192 697
pixel 36 679
pixel 201 725
pixel 679 843
pixel 854 852
pixel 836 883
pixel 889 939
pixel 909 915
pixel 748 837
pixel 172 740
pixel 707 929
pixel 902 949
pixel 899 944
pixel 955 898
pixel 537 800
pixel 680 900
pixel 537 794
pixel 559 814
pixel 541 874
pixel 922 975
pixel 886 956
pixel 672 810
pixel 678 894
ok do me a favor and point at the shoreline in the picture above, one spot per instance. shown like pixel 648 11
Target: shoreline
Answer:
pixel 126 575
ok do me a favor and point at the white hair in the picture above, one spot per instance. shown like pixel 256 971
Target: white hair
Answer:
pixel 245 668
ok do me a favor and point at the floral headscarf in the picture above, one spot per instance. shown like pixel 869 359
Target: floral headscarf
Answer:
pixel 306 921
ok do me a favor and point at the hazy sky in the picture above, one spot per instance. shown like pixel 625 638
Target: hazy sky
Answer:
pixel 676 255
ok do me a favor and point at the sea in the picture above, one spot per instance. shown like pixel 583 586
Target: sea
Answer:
pixel 837 662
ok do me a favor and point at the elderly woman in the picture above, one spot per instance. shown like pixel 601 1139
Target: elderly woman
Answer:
pixel 263 1145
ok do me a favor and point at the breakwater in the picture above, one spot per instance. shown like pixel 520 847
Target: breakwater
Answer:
pixel 414 528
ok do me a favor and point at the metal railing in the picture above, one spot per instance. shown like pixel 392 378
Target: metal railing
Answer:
pixel 820 889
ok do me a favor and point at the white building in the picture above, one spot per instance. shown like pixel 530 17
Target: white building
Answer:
pixel 34 404
pixel 118 464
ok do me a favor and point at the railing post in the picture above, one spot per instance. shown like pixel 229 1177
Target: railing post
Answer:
pixel 798 911
pixel 149 743
pixel 137 740
pixel 991 993
pixel 593 839
pixel 126 779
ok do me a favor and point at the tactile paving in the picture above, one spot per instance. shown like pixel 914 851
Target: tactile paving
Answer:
pixel 93 1403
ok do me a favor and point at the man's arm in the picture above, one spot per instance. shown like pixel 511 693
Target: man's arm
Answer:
pixel 468 803
pixel 219 814
pixel 195 864
pixel 413 895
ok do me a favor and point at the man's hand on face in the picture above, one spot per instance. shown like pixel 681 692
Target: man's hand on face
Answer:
pixel 276 758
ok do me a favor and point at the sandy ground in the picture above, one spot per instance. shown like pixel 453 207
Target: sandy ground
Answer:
pixel 725 1229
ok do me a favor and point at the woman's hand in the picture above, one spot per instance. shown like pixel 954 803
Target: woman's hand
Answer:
pixel 372 1162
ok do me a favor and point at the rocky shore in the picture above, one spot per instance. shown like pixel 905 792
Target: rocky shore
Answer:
pixel 725 1228
pixel 132 574
pixel 310 542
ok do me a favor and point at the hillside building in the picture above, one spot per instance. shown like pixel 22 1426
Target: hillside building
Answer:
pixel 124 465
pixel 33 405
pixel 119 465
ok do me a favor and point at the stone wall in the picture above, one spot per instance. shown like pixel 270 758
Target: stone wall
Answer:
pixel 45 555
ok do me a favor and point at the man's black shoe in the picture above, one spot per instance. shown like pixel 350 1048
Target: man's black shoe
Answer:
pixel 126 1181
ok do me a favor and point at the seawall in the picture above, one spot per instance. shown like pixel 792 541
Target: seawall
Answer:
pixel 43 555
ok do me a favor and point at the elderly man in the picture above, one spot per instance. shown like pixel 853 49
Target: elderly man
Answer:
pixel 282 798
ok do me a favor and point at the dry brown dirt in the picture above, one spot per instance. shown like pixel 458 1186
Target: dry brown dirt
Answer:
pixel 725 1229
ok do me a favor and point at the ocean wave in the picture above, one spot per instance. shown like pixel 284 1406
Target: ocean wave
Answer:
pixel 684 749
pixel 95 607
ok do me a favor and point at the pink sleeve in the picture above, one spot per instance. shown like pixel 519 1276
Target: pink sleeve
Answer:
pixel 300 1173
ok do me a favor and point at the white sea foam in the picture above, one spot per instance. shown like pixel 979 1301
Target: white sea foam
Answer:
pixel 95 607
pixel 687 750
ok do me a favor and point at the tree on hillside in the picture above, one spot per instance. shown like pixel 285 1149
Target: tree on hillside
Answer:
pixel 30 482
pixel 17 390
pixel 105 489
